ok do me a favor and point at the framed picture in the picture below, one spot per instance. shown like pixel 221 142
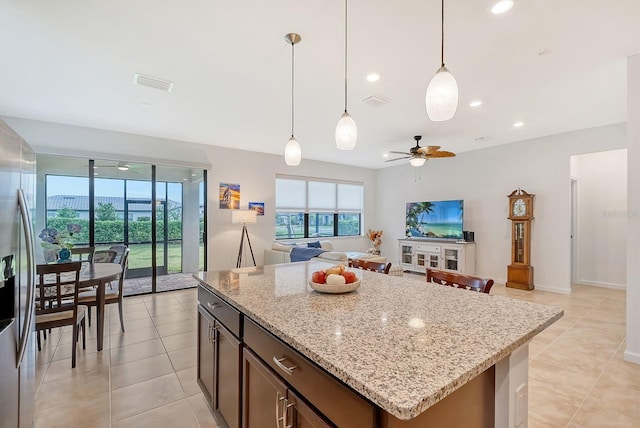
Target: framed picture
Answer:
pixel 258 206
pixel 229 196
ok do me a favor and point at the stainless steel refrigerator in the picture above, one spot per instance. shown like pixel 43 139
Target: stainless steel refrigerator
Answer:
pixel 17 290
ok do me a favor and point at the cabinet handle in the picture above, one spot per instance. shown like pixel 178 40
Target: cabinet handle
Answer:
pixel 287 370
pixel 209 333
pixel 215 334
pixel 287 406
pixel 212 306
pixel 279 418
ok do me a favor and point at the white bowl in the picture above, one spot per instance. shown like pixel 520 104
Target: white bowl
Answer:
pixel 335 289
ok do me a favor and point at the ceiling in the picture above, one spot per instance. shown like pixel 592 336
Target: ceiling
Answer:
pixel 555 65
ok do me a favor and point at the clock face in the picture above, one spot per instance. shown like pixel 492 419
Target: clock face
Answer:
pixel 519 208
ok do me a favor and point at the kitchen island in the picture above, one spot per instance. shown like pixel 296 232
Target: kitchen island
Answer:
pixel 397 352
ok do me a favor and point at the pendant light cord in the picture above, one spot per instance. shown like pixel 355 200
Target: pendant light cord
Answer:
pixel 292 87
pixel 442 35
pixel 345 55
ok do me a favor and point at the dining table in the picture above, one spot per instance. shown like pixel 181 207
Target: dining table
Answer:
pixel 99 275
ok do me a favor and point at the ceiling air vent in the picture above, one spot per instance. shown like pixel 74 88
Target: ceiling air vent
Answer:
pixel 152 82
pixel 374 101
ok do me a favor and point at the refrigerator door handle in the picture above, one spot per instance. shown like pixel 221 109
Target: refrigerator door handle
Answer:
pixel 27 228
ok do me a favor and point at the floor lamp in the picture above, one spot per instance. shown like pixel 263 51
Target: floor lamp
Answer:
pixel 245 217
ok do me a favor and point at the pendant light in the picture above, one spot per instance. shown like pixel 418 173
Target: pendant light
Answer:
pixel 292 151
pixel 442 93
pixel 346 130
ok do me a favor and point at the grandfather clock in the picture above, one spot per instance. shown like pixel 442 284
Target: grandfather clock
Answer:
pixel 520 271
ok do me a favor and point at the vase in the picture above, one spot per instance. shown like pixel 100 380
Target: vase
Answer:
pixel 64 255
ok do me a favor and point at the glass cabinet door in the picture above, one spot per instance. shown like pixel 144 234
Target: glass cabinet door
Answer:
pixel 421 259
pixel 518 245
pixel 451 258
pixel 406 254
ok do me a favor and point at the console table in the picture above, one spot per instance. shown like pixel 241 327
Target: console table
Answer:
pixel 417 255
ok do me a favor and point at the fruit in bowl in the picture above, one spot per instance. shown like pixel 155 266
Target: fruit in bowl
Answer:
pixel 335 275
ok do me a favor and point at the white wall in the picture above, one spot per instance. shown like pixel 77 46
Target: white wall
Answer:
pixel 255 172
pixel 602 221
pixel 484 178
pixel 632 353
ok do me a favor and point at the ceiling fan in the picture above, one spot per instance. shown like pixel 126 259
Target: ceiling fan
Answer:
pixel 121 166
pixel 419 155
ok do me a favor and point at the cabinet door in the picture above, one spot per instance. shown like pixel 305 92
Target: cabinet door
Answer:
pixel 303 415
pixel 406 254
pixel 205 353
pixel 452 259
pixel 263 394
pixel 228 359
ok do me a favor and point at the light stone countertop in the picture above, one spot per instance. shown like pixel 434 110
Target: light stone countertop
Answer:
pixel 400 342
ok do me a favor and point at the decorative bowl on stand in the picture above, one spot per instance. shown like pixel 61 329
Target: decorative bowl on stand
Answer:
pixel 335 288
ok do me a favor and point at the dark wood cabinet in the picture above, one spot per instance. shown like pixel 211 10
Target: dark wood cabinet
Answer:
pixel 227 376
pixel 303 415
pixel 268 402
pixel 206 366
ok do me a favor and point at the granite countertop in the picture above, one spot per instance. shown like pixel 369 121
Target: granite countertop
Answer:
pixel 402 343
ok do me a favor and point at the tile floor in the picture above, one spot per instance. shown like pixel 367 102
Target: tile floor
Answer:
pixel 146 376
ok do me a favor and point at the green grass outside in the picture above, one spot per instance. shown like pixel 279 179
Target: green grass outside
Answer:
pixel 140 256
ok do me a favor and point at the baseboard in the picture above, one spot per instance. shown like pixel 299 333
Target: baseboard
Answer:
pixel 552 289
pixel 611 285
pixel 632 357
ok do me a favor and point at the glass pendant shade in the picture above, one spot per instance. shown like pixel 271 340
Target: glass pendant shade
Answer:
pixel 442 96
pixel 417 161
pixel 346 133
pixel 292 152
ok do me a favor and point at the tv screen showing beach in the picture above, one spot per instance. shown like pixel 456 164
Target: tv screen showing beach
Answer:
pixel 441 219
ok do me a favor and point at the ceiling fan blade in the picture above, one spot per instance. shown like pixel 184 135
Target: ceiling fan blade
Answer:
pixel 429 150
pixel 391 160
pixel 401 153
pixel 442 154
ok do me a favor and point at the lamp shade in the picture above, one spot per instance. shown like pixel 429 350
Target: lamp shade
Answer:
pixel 346 132
pixel 244 216
pixel 292 152
pixel 442 96
pixel 417 161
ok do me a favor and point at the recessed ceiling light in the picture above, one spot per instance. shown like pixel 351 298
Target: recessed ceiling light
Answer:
pixel 501 7
pixel 373 77
pixel 518 124
pixel 476 103
pixel 193 175
pixel 385 155
pixel 95 173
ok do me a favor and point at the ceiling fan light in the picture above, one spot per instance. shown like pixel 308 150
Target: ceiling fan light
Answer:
pixel 441 98
pixel 292 152
pixel 123 167
pixel 417 161
pixel 501 7
pixel 346 132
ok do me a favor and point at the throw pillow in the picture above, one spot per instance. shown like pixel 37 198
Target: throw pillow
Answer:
pixel 314 244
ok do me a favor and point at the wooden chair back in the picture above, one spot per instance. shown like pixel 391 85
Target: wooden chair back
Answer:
pixel 119 249
pixel 457 280
pixel 85 254
pixel 372 266
pixel 124 263
pixel 104 256
pixel 57 285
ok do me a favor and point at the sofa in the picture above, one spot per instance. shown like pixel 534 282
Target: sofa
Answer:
pixel 280 252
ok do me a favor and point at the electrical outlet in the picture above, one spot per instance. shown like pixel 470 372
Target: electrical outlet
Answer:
pixel 521 404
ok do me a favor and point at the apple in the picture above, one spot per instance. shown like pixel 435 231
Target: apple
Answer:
pixel 319 277
pixel 350 277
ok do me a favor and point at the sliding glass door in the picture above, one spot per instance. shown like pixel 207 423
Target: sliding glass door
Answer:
pixel 159 212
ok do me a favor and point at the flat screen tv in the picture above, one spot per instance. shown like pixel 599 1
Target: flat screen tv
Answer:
pixel 435 220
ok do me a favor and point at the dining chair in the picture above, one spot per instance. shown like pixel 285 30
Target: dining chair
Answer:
pixel 57 301
pixel 89 298
pixel 104 256
pixel 457 280
pixel 85 254
pixel 372 266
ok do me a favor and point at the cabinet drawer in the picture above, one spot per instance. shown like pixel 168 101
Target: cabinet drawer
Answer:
pixel 428 248
pixel 338 403
pixel 228 316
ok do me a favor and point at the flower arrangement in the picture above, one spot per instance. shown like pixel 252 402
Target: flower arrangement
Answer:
pixel 52 239
pixel 375 236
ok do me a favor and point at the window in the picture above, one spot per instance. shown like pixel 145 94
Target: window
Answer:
pixel 308 208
